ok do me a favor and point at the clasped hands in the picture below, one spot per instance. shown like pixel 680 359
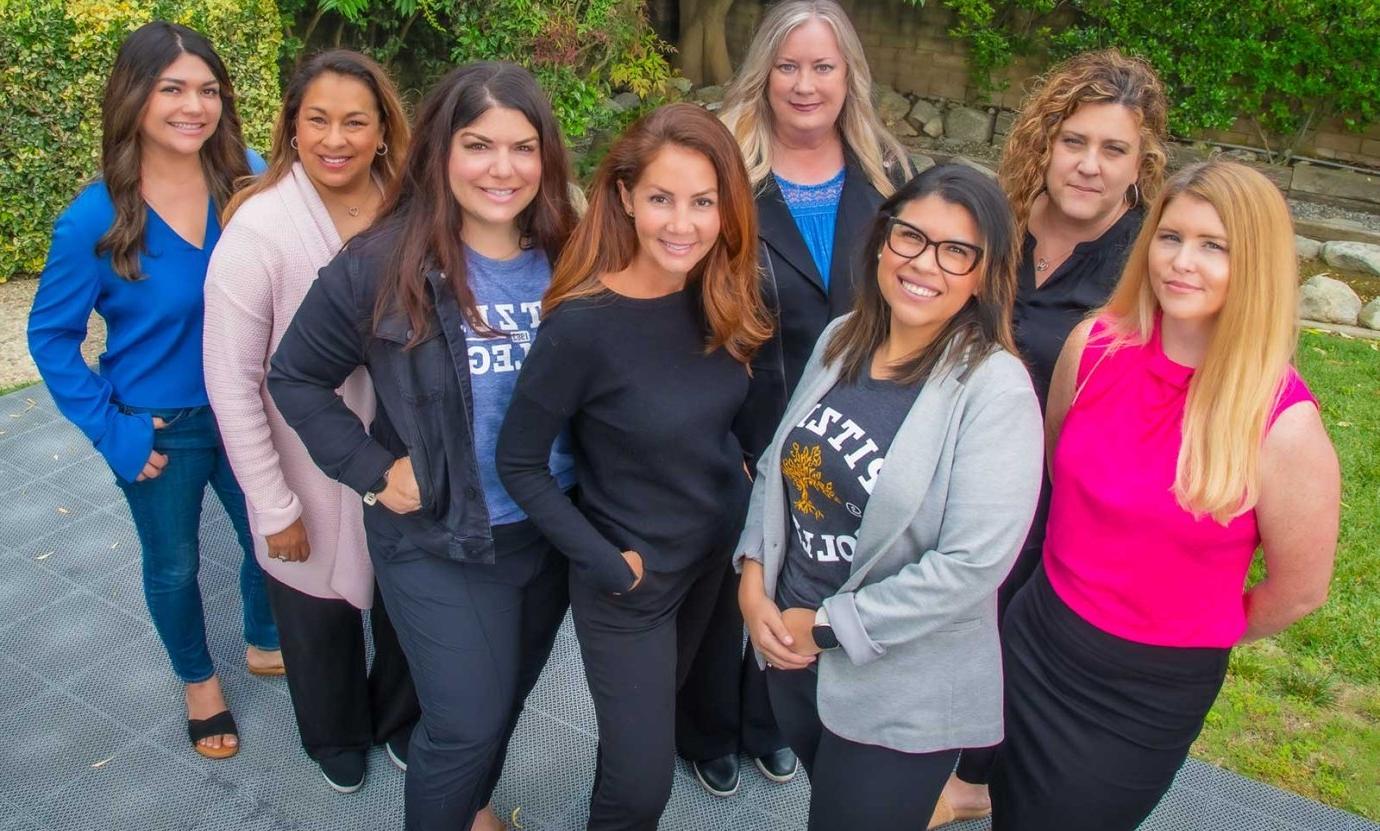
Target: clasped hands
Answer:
pixel 785 639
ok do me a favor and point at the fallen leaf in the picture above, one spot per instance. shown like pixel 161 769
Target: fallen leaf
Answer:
pixel 1344 424
pixel 102 762
pixel 63 510
pixel 114 545
pixel 45 556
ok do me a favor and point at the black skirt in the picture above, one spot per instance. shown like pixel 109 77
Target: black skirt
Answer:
pixel 1096 726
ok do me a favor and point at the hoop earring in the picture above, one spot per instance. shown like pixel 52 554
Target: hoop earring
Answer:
pixel 382 149
pixel 1135 188
pixel 293 143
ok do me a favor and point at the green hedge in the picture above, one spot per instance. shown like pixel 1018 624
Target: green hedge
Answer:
pixel 54 59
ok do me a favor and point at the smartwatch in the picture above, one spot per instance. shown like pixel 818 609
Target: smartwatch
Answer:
pixel 822 632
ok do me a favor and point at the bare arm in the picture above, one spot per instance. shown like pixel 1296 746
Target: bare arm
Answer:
pixel 1298 514
pixel 1062 387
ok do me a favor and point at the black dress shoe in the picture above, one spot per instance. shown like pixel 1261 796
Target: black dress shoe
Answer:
pixel 344 772
pixel 718 776
pixel 780 766
pixel 397 748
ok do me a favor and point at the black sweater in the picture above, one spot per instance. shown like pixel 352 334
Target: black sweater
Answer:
pixel 651 419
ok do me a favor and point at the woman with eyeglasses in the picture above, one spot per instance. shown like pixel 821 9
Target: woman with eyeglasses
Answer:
pixel 889 507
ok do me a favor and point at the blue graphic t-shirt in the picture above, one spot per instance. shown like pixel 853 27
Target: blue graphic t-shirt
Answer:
pixel 508 293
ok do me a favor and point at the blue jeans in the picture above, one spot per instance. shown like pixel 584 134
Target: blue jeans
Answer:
pixel 167 514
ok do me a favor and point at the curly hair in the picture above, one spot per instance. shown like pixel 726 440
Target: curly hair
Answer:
pixel 1104 77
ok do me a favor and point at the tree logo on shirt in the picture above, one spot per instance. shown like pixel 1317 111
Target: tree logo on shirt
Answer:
pixel 801 469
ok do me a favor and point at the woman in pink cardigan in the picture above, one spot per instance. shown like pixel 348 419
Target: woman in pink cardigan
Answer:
pixel 337 143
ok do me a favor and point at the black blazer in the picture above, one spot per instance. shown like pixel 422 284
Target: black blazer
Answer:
pixel 795 293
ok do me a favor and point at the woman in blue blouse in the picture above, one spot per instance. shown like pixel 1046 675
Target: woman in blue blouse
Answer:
pixel 134 246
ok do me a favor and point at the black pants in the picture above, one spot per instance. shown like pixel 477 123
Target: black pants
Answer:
pixel 854 786
pixel 723 707
pixel 340 705
pixel 476 637
pixel 1096 726
pixel 975 765
pixel 637 649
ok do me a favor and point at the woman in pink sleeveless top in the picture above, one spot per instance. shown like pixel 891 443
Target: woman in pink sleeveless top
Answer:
pixel 1180 440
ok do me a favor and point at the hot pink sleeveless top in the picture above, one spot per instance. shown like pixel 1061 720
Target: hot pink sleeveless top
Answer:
pixel 1119 550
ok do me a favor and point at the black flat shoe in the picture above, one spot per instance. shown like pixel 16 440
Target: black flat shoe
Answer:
pixel 718 776
pixel 779 767
pixel 220 724
pixel 344 772
pixel 397 748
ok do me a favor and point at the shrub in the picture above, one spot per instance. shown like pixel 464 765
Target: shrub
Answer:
pixel 1286 64
pixel 54 60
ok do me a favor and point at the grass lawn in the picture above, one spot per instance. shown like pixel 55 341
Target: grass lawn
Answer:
pixel 1302 710
pixel 6 390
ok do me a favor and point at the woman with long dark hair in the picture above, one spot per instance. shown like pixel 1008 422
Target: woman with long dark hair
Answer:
pixel 440 300
pixel 889 507
pixel 653 317
pixel 134 246
pixel 338 144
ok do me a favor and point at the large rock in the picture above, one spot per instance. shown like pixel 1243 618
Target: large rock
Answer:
pixel 965 124
pixel 975 165
pixel 1329 301
pixel 903 129
pixel 934 128
pixel 682 84
pixel 892 106
pixel 1370 315
pixel 710 95
pixel 921 162
pixel 1309 249
pixel 624 101
pixel 1005 121
pixel 1353 256
pixel 923 112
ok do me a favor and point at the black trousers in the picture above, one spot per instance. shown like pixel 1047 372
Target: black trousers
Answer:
pixel 476 637
pixel 853 785
pixel 723 706
pixel 975 765
pixel 1096 726
pixel 340 704
pixel 637 648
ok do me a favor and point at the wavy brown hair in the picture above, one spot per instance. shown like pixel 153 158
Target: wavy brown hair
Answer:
pixel 421 209
pixel 605 241
pixel 143 56
pixel 1102 77
pixel 978 329
pixel 349 64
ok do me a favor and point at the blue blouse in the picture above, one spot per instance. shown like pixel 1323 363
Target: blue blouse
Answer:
pixel 815 209
pixel 152 354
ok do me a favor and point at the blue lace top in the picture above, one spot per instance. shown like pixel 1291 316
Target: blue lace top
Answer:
pixel 815 208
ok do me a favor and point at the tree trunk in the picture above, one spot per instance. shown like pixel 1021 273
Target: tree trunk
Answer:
pixel 703 41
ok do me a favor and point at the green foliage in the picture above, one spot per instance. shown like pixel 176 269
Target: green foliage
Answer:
pixel 1288 64
pixel 581 51
pixel 54 59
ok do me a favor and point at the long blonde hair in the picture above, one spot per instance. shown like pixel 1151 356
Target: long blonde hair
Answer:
pixel 747 112
pixel 1234 392
pixel 1102 77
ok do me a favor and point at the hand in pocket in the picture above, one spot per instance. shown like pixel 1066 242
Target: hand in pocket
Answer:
pixel 157 461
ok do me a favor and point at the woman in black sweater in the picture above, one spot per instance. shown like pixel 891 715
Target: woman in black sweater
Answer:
pixel 651 321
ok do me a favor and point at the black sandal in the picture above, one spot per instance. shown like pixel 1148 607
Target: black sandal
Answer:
pixel 220 724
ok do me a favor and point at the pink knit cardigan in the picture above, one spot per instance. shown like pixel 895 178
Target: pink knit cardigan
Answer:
pixel 261 269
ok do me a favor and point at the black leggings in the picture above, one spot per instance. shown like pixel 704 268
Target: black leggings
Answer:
pixel 637 648
pixel 1096 726
pixel 854 786
pixel 476 637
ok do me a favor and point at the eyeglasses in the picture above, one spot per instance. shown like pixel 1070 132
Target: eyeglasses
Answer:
pixel 952 257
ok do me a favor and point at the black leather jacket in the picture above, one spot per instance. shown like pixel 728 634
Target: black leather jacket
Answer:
pixel 424 399
pixel 795 292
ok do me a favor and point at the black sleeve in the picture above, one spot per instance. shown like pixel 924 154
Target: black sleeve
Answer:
pixel 322 346
pixel 550 389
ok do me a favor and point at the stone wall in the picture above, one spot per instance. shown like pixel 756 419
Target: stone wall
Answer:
pixel 910 50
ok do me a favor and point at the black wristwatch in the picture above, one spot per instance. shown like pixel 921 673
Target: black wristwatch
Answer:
pixel 822 632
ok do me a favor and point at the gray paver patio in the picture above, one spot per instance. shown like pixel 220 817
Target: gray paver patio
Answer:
pixel 92 737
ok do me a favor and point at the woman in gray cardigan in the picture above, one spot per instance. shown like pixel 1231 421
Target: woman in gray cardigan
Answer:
pixel 890 505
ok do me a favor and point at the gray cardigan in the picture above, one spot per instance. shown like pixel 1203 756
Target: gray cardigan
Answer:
pixel 920 665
